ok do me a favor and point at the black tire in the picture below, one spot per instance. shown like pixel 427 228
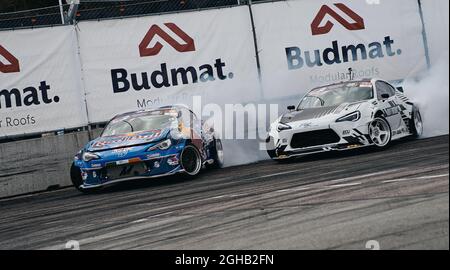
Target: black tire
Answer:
pixel 272 153
pixel 380 140
pixel 218 154
pixel 191 161
pixel 270 146
pixel 416 119
pixel 77 181
pixel 75 176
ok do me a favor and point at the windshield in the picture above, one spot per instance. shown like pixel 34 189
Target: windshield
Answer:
pixel 336 95
pixel 139 122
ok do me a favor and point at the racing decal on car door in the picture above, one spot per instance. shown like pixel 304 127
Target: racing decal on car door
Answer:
pixel 393 116
pixel 357 137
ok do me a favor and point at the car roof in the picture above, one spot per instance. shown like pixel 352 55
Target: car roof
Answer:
pixel 346 82
pixel 163 108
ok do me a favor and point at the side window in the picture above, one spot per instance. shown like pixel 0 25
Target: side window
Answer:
pixel 390 89
pixel 384 88
pixel 188 118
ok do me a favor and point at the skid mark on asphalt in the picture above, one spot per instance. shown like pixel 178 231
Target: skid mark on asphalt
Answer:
pixel 344 185
pixel 368 182
pixel 416 178
pixel 241 199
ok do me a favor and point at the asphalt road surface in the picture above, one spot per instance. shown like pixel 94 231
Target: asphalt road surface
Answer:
pixel 398 197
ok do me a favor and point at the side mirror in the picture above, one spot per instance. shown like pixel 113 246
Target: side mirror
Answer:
pixel 291 107
pixel 400 89
pixel 385 96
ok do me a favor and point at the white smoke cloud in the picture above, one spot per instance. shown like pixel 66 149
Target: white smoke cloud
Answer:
pixel 431 93
pixel 238 152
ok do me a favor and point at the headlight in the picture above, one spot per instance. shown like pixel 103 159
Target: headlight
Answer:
pixel 164 145
pixel 352 117
pixel 87 156
pixel 282 127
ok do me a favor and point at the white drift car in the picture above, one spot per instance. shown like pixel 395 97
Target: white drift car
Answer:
pixel 344 116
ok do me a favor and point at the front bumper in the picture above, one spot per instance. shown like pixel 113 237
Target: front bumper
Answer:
pixel 280 154
pixel 111 182
pixel 306 141
pixel 134 168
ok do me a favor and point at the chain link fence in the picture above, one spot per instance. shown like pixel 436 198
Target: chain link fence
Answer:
pixel 97 10
pixel 31 18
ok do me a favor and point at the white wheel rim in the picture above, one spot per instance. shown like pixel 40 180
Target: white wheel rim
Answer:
pixel 379 132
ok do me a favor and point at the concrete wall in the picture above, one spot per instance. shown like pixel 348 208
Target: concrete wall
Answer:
pixel 37 164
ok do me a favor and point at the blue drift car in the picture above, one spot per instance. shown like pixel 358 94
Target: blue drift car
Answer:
pixel 147 144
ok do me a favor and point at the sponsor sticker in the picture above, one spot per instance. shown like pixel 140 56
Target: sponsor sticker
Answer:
pixel 365 84
pixel 157 155
pixel 122 162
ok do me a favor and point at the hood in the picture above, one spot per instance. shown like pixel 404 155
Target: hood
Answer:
pixel 125 140
pixel 315 113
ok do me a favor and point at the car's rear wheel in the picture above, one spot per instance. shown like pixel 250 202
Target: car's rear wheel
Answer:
pixel 218 156
pixel 191 161
pixel 416 124
pixel 380 132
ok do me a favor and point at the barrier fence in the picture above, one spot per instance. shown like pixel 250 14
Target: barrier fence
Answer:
pixel 105 9
pixel 69 77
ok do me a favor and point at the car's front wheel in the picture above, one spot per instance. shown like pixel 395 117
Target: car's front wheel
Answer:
pixel 77 181
pixel 191 161
pixel 380 132
pixel 75 176
pixel 272 153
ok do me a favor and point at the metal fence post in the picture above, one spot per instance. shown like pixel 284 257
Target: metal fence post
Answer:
pixel 61 10
pixel 424 35
pixel 255 42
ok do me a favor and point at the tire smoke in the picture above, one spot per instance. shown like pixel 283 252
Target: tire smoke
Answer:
pixel 431 93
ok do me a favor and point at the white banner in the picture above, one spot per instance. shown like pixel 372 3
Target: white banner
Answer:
pixel 40 82
pixel 146 62
pixel 436 20
pixel 304 44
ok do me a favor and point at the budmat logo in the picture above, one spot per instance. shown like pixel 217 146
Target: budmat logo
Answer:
pixel 317 29
pixel 155 30
pixel 13 65
pixel 298 57
pixel 166 74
